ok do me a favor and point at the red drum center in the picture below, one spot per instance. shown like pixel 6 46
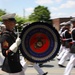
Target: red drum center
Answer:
pixel 39 42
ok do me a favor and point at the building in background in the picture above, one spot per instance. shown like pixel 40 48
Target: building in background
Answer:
pixel 56 22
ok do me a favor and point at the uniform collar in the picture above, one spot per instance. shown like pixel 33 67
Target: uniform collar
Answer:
pixel 9 30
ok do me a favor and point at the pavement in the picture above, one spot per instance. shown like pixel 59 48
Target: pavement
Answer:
pixel 51 67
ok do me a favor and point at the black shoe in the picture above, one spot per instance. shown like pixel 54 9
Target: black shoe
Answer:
pixel 61 65
pixel 0 66
pixel 45 73
pixel 68 59
pixel 58 59
pixel 40 64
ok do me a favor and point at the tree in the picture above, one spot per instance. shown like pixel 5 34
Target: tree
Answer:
pixel 40 13
pixel 2 12
pixel 20 21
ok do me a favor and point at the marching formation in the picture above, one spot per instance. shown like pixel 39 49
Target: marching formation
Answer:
pixel 10 42
pixel 67 49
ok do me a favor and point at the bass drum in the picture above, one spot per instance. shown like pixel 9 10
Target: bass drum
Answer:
pixel 40 42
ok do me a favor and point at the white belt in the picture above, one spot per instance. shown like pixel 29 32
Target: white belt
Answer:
pixel 69 39
pixel 73 40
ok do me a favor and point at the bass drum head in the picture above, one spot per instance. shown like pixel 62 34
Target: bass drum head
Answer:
pixel 40 42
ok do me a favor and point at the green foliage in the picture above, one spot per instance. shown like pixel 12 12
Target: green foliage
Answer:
pixel 20 20
pixel 0 19
pixel 40 13
pixel 2 12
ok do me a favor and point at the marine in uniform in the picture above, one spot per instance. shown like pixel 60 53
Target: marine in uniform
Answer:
pixel 67 38
pixel 71 63
pixel 10 46
pixel 2 26
pixel 61 51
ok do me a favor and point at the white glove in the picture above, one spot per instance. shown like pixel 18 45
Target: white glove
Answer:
pixel 13 47
pixel 18 41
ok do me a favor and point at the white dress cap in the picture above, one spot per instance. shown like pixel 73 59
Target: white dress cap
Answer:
pixel 72 20
pixel 63 23
pixel 8 16
pixel 68 23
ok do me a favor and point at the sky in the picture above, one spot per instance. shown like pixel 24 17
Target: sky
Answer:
pixel 58 8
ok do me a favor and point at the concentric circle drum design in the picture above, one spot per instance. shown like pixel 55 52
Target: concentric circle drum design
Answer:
pixel 40 42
